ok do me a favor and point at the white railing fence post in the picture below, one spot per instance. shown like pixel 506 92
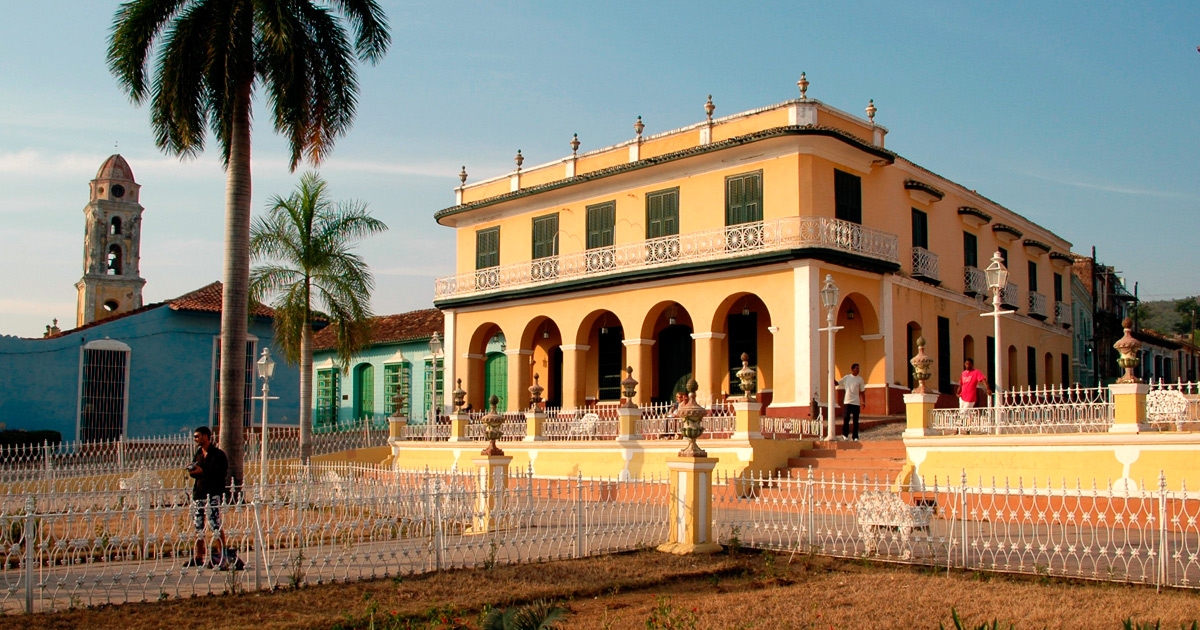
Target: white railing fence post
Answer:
pixel 579 525
pixel 439 538
pixel 1163 556
pixel 30 534
pixel 812 517
pixel 962 509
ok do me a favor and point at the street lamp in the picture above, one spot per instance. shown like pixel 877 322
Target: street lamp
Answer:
pixel 997 279
pixel 435 349
pixel 265 367
pixel 829 300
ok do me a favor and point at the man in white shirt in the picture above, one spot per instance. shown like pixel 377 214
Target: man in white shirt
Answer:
pixel 855 388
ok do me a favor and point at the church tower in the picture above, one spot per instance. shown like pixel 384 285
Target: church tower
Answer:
pixel 111 283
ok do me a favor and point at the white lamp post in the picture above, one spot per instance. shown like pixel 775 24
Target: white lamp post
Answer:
pixel 829 300
pixel 435 349
pixel 265 367
pixel 997 279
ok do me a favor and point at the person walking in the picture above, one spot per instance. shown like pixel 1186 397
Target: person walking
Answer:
pixel 855 389
pixel 209 468
pixel 968 385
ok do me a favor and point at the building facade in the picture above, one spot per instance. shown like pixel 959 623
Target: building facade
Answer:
pixel 676 253
pixel 397 372
pixel 111 282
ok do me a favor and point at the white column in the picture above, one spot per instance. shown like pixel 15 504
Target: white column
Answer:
pixel 806 355
pixel 887 330
pixel 449 359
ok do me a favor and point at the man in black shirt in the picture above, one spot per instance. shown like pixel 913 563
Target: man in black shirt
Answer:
pixel 209 467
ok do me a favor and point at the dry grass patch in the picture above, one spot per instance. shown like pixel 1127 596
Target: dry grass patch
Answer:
pixel 652 590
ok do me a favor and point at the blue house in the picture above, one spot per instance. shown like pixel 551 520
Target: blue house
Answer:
pixel 148 371
pixel 397 361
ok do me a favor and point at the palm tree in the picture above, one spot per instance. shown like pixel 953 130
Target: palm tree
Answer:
pixel 308 240
pixel 210 55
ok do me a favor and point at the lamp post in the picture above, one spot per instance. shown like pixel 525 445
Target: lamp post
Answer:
pixel 829 300
pixel 997 279
pixel 435 349
pixel 265 367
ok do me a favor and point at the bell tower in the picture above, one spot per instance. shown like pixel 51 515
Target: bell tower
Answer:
pixel 111 282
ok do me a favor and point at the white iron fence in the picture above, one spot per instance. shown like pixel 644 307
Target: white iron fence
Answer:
pixel 1034 410
pixel 1146 535
pixel 1173 406
pixel 342 523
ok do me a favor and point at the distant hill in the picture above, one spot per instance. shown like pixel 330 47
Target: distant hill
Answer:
pixel 1168 316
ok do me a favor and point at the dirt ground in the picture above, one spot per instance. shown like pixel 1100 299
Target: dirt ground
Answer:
pixel 648 589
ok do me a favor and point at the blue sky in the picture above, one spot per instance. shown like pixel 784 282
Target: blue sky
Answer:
pixel 1084 117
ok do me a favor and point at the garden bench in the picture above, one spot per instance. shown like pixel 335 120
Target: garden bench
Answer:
pixel 1167 405
pixel 879 513
pixel 585 426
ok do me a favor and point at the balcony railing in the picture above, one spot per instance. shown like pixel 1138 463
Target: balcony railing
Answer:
pixel 974 281
pixel 1037 305
pixel 1062 314
pixel 925 264
pixel 1011 296
pixel 723 243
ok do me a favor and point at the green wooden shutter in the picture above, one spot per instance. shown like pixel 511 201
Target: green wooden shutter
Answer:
pixel 600 221
pixel 662 213
pixel 743 198
pixel 487 248
pixel 544 230
pixel 397 379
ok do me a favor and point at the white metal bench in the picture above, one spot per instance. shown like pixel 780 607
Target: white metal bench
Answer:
pixel 585 426
pixel 1167 405
pixel 879 513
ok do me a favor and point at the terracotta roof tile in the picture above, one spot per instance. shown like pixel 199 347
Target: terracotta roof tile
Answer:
pixel 207 299
pixel 390 328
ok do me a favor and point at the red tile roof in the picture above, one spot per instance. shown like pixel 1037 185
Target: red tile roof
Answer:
pixel 409 326
pixel 207 299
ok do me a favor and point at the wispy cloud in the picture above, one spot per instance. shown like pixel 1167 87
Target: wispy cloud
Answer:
pixel 1123 190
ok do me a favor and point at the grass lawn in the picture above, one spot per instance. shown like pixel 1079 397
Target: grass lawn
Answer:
pixel 743 590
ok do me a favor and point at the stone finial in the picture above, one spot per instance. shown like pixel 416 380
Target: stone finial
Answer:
pixel 519 159
pixel 709 108
pixel 574 145
pixel 746 376
pixel 462 176
pixel 492 421
pixel 921 363
pixel 460 396
pixel 639 127
pixel 398 405
pixel 803 85
pixel 871 109
pixel 1128 348
pixel 535 392
pixel 691 414
pixel 629 388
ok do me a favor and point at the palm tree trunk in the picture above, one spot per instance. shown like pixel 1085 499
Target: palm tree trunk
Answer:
pixel 235 300
pixel 306 406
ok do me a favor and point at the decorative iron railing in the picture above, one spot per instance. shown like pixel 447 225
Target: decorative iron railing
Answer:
pixel 729 242
pixel 791 428
pixel 1037 305
pixel 1034 410
pixel 1062 314
pixel 974 281
pixel 1011 295
pixel 925 264
pixel 1173 406
pixel 512 429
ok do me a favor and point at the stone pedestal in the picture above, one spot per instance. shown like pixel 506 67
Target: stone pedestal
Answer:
pixel 535 426
pixel 396 426
pixel 458 427
pixel 492 481
pixel 627 421
pixel 690 528
pixel 747 420
pixel 919 411
pixel 1129 407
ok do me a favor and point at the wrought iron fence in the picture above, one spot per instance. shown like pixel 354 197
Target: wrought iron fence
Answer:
pixel 1048 409
pixel 1133 532
pixel 1037 304
pixel 731 241
pixel 925 263
pixel 338 524
pixel 1173 406
pixel 974 281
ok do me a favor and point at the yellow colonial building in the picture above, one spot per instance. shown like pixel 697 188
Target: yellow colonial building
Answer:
pixel 676 252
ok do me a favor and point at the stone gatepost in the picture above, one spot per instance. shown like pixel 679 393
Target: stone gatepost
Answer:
pixel 491 477
pixel 535 418
pixel 747 411
pixel 690 527
pixel 1129 392
pixel 628 414
pixel 918 406
pixel 397 421
pixel 458 419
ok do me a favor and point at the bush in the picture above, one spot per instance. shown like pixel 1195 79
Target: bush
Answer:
pixel 17 436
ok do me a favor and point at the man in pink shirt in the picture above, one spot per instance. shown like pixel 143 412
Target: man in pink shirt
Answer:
pixel 968 385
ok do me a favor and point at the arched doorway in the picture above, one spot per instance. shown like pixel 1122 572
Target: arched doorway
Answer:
pixel 495 380
pixel 745 321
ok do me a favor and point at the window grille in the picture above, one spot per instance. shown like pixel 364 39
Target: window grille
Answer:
pixel 327 398
pixel 248 393
pixel 103 390
pixel 397 379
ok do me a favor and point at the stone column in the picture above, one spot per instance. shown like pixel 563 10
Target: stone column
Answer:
pixel 747 419
pixel 919 411
pixel 574 369
pixel 638 356
pixel 705 369
pixel 691 506
pixel 492 482
pixel 518 378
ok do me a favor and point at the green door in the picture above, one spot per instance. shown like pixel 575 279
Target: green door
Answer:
pixel 364 390
pixel 496 380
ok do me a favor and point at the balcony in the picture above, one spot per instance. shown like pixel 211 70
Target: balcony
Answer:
pixel 1010 297
pixel 925 265
pixel 974 282
pixel 1037 305
pixel 728 243
pixel 1062 315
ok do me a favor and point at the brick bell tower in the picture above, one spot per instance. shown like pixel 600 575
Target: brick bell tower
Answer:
pixel 111 283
